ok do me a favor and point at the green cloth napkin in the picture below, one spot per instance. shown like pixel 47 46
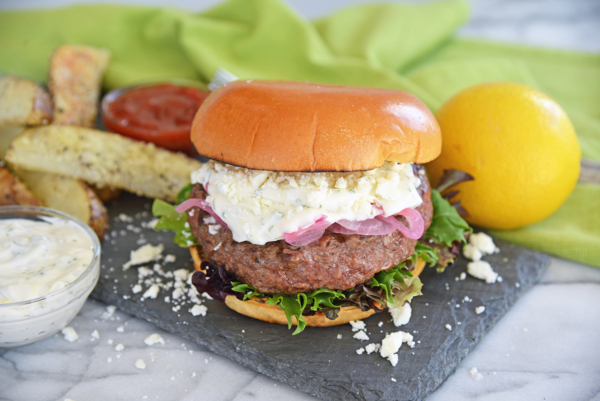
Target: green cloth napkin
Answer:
pixel 403 46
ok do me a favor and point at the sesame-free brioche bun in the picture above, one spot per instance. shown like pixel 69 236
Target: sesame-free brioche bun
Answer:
pixel 294 126
pixel 256 309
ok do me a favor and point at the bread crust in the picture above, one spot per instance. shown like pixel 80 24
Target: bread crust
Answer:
pixel 256 309
pixel 292 126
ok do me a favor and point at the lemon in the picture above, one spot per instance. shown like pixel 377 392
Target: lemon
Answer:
pixel 520 146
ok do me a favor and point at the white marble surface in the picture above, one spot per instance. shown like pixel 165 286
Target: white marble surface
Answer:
pixel 546 348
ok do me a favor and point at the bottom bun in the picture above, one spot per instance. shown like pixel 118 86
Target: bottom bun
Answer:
pixel 257 309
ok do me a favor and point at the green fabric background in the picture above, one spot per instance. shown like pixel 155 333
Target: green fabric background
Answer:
pixel 403 46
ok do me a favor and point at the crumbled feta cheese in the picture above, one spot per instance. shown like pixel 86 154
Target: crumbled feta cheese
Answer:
pixel 120 329
pixel 95 335
pixel 109 359
pixel 480 309
pixel 483 271
pixel 152 292
pixel 339 336
pixel 70 334
pixel 119 347
pixel 483 242
pixel 401 314
pixel 251 201
pixel 170 258
pixel 463 275
pixel 372 348
pixel 181 274
pixel 154 339
pixel 144 254
pixel 448 327
pixel 110 341
pixel 140 364
pixel 110 310
pixel 198 310
pixel 136 289
pixel 357 325
pixel 360 351
pixel 475 374
pixel 470 251
pixel 391 344
pixel 361 335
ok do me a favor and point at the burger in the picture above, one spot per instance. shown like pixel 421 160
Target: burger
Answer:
pixel 314 208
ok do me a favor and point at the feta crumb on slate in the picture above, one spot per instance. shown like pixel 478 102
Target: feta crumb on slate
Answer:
pixel 360 351
pixel 120 329
pixel 380 324
pixel 483 271
pixel 394 380
pixel 154 339
pixel 136 289
pixel 361 335
pixel 480 309
pixel 170 258
pixel 463 275
pixel 339 336
pixel 357 325
pixel 95 335
pixel 401 314
pixel 483 242
pixel 144 254
pixel 472 252
pixel 110 341
pixel 448 327
pixel 119 347
pixel 475 374
pixel 372 348
pixel 109 359
pixel 152 292
pixel 70 334
pixel 391 344
pixel 140 364
pixel 198 310
pixel 110 310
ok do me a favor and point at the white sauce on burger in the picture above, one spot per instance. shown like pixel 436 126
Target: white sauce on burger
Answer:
pixel 261 206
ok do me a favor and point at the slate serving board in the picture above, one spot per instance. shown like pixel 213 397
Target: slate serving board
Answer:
pixel 315 361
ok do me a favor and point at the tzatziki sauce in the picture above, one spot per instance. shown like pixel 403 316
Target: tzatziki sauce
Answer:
pixel 40 257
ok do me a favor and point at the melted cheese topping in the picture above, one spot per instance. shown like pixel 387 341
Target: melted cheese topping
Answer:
pixel 261 206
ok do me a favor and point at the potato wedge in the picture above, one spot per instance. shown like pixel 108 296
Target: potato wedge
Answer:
pixel 106 194
pixel 7 134
pixel 14 192
pixel 23 102
pixel 69 196
pixel 74 80
pixel 103 159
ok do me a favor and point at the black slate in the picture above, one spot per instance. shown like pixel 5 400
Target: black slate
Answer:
pixel 315 361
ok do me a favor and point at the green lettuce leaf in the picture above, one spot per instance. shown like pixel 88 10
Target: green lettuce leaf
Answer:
pixel 446 225
pixel 173 221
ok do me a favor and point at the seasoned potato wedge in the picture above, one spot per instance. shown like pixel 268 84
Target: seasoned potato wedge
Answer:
pixel 74 79
pixel 103 159
pixel 106 194
pixel 23 102
pixel 7 134
pixel 69 196
pixel 14 192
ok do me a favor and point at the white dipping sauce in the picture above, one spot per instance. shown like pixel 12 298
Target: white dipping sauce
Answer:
pixel 40 257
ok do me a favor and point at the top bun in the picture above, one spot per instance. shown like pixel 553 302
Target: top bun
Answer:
pixel 294 126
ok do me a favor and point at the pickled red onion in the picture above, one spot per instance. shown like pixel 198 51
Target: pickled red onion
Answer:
pixel 307 234
pixel 416 225
pixel 364 227
pixel 202 204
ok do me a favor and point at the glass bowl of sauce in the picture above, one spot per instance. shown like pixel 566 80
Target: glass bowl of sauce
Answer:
pixel 49 264
pixel 161 114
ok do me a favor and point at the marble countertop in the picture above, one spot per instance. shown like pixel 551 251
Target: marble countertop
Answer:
pixel 546 347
